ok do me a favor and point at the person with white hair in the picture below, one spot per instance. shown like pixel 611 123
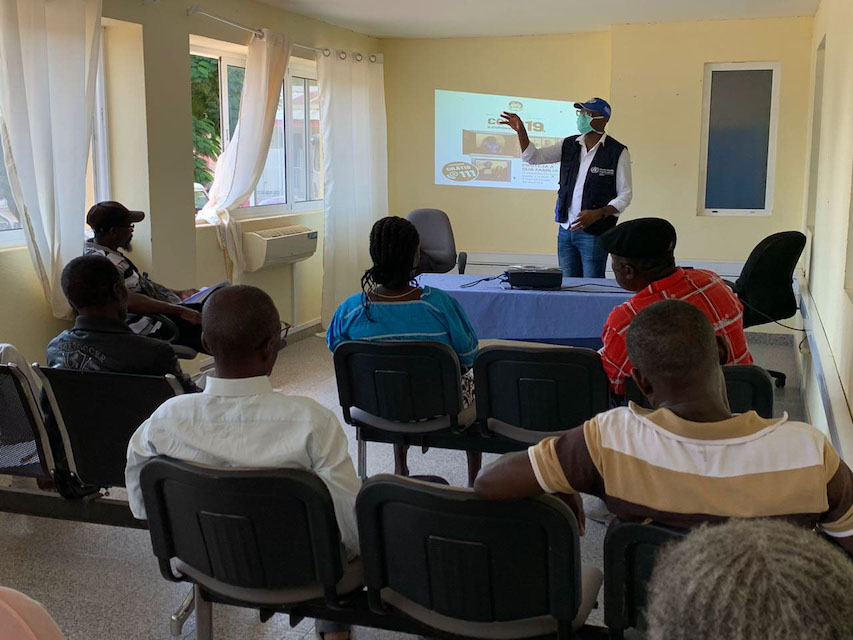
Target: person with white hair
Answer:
pixel 751 580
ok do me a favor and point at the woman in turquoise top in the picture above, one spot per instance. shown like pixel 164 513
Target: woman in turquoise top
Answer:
pixel 393 307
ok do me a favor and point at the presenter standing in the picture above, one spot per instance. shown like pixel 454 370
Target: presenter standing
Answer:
pixel 595 186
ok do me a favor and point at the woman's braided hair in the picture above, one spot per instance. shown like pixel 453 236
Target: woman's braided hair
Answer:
pixel 393 244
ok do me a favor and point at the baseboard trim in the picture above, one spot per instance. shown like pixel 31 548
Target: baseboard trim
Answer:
pixel 304 330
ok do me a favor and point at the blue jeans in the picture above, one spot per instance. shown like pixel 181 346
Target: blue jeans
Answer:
pixel 580 254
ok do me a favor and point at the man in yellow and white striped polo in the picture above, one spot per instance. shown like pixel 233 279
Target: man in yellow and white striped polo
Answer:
pixel 689 460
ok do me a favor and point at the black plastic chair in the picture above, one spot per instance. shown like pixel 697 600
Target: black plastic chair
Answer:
pixel 400 388
pixel 527 394
pixel 96 413
pixel 472 567
pixel 749 387
pixel 438 247
pixel 629 559
pixel 24 445
pixel 261 538
pixel 765 283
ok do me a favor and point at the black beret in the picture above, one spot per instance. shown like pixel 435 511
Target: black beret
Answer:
pixel 641 238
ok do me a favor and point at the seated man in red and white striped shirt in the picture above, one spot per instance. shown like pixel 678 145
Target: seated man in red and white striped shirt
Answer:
pixel 642 253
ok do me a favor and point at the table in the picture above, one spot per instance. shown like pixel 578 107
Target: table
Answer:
pixel 573 315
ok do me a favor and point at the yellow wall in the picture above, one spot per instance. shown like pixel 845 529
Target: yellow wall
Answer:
pixel 25 317
pixel 657 88
pixel 567 67
pixel 829 255
pixel 652 74
pixel 124 86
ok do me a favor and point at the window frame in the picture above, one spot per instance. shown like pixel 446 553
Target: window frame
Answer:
pixel 710 67
pixel 296 67
pixel 12 238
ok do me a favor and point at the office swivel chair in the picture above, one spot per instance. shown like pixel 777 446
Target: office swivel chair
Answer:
pixel 438 248
pixel 764 286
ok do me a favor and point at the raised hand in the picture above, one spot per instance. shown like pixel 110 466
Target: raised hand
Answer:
pixel 512 120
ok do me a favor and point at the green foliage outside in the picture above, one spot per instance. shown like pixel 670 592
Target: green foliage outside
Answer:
pixel 236 76
pixel 207 142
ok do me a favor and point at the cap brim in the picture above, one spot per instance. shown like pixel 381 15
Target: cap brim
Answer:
pixel 589 107
pixel 136 216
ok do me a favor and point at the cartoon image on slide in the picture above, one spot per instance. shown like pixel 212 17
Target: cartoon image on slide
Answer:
pixel 472 149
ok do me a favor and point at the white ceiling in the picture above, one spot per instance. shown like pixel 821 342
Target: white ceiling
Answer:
pixel 460 18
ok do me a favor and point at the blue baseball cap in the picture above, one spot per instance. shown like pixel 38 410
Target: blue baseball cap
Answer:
pixel 595 104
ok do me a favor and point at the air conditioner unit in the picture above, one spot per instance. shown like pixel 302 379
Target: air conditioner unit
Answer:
pixel 281 245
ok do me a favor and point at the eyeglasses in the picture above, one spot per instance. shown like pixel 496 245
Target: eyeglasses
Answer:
pixel 282 332
pixel 581 112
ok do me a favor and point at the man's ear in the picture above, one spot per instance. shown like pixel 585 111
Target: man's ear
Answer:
pixel 272 346
pixel 722 349
pixel 629 272
pixel 642 382
pixel 204 343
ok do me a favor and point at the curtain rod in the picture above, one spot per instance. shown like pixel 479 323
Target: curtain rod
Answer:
pixel 195 9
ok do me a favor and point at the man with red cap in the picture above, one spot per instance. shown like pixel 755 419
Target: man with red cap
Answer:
pixel 112 224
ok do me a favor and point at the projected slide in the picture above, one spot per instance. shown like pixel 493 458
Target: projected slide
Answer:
pixel 473 150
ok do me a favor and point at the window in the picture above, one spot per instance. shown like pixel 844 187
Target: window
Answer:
pixel 739 121
pixel 292 179
pixel 97 170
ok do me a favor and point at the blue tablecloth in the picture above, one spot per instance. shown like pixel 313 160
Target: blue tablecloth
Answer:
pixel 573 315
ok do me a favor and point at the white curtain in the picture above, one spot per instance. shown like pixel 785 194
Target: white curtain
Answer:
pixel 240 166
pixel 48 63
pixel 352 117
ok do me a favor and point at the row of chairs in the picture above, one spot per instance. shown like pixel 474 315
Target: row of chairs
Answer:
pixel 410 393
pixel 435 561
pixel 94 421
pixel 92 416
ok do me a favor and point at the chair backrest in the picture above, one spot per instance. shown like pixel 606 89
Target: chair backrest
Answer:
pixel 438 248
pixel 97 412
pixel 629 558
pixel 749 387
pixel 399 380
pixel 446 553
pixel 540 390
pixel 764 285
pixel 21 422
pixel 250 528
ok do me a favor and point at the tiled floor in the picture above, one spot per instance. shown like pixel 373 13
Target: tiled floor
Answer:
pixel 102 583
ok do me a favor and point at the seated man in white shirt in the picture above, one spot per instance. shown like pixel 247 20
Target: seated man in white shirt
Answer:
pixel 240 421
